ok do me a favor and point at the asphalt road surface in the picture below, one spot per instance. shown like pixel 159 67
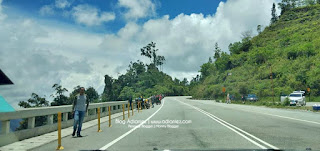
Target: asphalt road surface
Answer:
pixel 181 123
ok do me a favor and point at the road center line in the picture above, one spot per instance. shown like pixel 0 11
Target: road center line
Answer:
pixel 232 127
pixel 292 118
pixel 244 132
pixel 130 131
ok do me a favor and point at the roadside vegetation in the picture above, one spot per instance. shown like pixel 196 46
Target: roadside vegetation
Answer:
pixel 288 51
pixel 143 79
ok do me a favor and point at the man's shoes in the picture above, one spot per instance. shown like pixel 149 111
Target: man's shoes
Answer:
pixel 78 135
pixel 74 132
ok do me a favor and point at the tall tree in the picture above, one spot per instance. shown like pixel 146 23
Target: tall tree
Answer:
pixel 34 101
pixel 176 81
pixel 184 82
pixel 274 16
pixel 210 60
pixel 160 60
pixel 235 48
pixel 310 2
pixel 76 90
pixel 150 51
pixel 92 94
pixel 259 29
pixel 59 97
pixel 217 51
pixel 246 40
pixel 126 93
pixel 246 34
pixel 294 3
pixel 205 70
pixel 136 68
pixel 286 5
pixel 300 3
pixel 107 92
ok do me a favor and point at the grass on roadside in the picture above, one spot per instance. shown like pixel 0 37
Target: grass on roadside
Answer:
pixel 267 102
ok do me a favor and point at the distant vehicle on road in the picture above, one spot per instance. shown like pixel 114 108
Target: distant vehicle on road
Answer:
pixel 297 98
pixel 252 97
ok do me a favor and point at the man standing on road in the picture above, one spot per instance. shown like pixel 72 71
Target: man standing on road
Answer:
pixel 160 98
pixel 243 99
pixel 152 100
pixel 79 108
pixel 228 98
pixel 142 103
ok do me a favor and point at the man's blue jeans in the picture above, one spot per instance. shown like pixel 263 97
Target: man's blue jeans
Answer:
pixel 78 119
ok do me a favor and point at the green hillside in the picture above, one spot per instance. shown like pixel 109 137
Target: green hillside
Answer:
pixel 291 46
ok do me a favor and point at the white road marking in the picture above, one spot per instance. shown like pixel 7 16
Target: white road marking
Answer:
pixel 286 117
pixel 130 131
pixel 291 118
pixel 232 127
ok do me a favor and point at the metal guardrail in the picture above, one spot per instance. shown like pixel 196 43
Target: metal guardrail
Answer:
pixel 7 137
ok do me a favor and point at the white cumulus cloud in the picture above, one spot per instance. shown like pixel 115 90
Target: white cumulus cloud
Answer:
pixel 187 41
pixel 62 4
pixel 91 16
pixel 35 57
pixel 137 8
pixel 46 10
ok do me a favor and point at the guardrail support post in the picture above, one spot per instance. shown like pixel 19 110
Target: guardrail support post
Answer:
pixel 65 116
pixel 140 107
pixel 87 113
pixel 99 130
pixel 132 108
pixel 94 112
pixel 59 132
pixel 31 122
pixel 5 127
pixel 123 112
pixel 128 110
pixel 110 116
pixel 50 119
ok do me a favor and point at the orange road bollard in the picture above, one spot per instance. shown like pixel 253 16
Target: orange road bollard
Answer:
pixel 99 130
pixel 128 110
pixel 132 108
pixel 59 132
pixel 123 112
pixel 110 116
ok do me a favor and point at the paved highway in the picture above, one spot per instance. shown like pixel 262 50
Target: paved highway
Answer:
pixel 203 125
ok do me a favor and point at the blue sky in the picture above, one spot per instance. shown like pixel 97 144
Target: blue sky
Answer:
pixel 164 7
pixel 77 42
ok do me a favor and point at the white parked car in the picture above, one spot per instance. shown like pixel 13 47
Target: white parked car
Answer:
pixel 297 98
